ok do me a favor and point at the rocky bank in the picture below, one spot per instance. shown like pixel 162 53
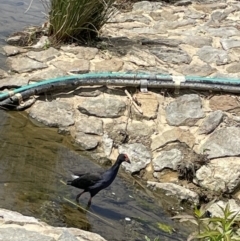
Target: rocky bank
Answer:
pixel 186 143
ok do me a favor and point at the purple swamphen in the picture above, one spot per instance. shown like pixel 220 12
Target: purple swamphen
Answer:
pixel 95 182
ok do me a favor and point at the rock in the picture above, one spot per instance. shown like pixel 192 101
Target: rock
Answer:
pixel 197 69
pixel 223 102
pixel 230 43
pixel 163 15
pixel 113 65
pixel 146 6
pixel 176 134
pixel 167 159
pixel 184 110
pixel 15 40
pixel 86 53
pixel 171 55
pixel 172 189
pixel 3 74
pixel 233 68
pixel 223 142
pixel 220 175
pixel 216 208
pixel 223 32
pixel 141 57
pixel 16 218
pixel 42 43
pixel 139 155
pixel 211 122
pixel 107 145
pixel 88 92
pixel 183 3
pixel 109 107
pixel 12 50
pixel 87 142
pixel 89 125
pixel 130 17
pixel 76 66
pixel 24 64
pixel 162 42
pixel 53 114
pixel 44 55
pixel 20 234
pixel 49 73
pixel 13 81
pixel 148 104
pixel 198 41
pixel 209 54
pixel 67 236
pixel 218 16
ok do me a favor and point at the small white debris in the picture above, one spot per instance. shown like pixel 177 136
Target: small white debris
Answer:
pixel 113 193
pixel 128 219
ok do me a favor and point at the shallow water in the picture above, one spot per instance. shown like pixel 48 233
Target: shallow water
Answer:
pixel 13 18
pixel 34 160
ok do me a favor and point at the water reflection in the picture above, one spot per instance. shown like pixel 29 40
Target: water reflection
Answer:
pixel 33 161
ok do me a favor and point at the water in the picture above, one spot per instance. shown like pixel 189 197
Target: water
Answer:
pixel 13 18
pixel 34 160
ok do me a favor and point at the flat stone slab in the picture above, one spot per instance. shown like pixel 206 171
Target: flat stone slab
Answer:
pixel 109 107
pixel 89 125
pixel 172 189
pixel 223 142
pixel 223 102
pixel 45 55
pixel 220 175
pixel 24 64
pixel 54 113
pixel 184 110
pixel 87 142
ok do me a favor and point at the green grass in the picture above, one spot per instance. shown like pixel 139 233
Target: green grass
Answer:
pixel 78 20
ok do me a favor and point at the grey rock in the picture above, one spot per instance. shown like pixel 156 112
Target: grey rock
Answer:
pixel 67 236
pixel 48 73
pixel 87 92
pixel 220 175
pixel 24 64
pixel 44 55
pixel 89 125
pixel 86 53
pixel 185 110
pixel 194 15
pixel 198 41
pixel 42 43
pixel 183 3
pixel 139 155
pixel 77 66
pixel 209 54
pixel 218 16
pixel 16 80
pixel 20 234
pixel 3 74
pixel 230 43
pixel 109 107
pixel 12 50
pixel 117 132
pixel 233 68
pixel 164 15
pixel 85 141
pixel 223 142
pixel 130 17
pixel 54 113
pixel 146 6
pixel 16 218
pixel 113 65
pixel 175 190
pixel 162 42
pixel 14 40
pixel 216 208
pixel 223 32
pixel 167 159
pixel 171 55
pixel 211 122
pixel 107 144
pixel 197 70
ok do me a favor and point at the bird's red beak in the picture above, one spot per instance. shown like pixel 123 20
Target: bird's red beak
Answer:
pixel 127 160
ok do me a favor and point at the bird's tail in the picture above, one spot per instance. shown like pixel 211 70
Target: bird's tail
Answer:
pixel 69 182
